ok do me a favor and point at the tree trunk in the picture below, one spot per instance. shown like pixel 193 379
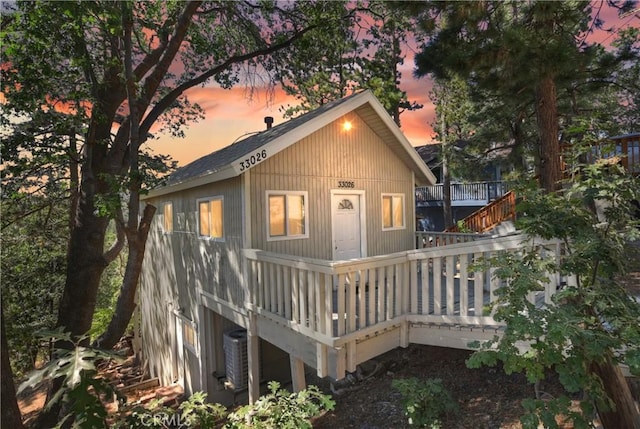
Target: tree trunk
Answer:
pixel 626 413
pixel 446 192
pixel 547 118
pixel 85 265
pixel 126 300
pixel 446 175
pixel 11 416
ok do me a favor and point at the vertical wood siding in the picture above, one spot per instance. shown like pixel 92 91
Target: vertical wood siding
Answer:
pixel 316 164
pixel 183 259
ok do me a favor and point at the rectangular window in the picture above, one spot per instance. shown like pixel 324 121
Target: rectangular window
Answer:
pixel 287 215
pixel 188 335
pixel 393 211
pixel 211 218
pixel 167 217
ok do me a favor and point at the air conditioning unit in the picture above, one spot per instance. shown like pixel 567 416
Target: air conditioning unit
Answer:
pixel 236 359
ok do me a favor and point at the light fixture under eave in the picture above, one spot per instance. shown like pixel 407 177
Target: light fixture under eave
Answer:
pixel 347 125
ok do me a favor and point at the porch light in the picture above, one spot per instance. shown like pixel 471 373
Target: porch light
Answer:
pixel 347 125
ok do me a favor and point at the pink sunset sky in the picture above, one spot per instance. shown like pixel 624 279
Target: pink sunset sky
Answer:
pixel 230 114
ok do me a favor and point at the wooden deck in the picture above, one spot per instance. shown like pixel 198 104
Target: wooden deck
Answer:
pixel 351 311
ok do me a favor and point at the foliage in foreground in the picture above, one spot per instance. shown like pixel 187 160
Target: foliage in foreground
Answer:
pixel 278 409
pixel 194 413
pixel 281 409
pixel 83 395
pixel 592 322
pixel 81 390
pixel 425 403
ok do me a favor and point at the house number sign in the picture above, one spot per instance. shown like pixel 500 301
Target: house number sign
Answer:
pixel 346 184
pixel 252 160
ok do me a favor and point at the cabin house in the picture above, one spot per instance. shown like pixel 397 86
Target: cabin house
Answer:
pixel 216 312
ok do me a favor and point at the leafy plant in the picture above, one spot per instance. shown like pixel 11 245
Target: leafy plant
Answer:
pixel 424 402
pixel 200 413
pixel 281 409
pixel 592 324
pixel 151 416
pixel 80 390
pixel 194 413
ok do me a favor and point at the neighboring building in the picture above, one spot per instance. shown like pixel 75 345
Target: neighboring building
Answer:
pixel 466 196
pixel 625 147
pixel 334 184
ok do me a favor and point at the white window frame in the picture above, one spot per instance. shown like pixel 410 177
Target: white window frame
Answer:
pixel 165 228
pixel 182 323
pixel 224 229
pixel 287 236
pixel 404 212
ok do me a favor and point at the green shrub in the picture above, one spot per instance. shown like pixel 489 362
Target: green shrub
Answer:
pixel 424 402
pixel 194 413
pixel 281 409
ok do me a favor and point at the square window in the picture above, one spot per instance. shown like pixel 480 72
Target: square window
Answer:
pixel 287 215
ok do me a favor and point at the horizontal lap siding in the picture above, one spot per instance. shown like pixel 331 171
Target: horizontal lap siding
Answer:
pixel 316 164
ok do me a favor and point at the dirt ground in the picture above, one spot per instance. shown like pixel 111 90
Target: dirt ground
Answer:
pixel 486 397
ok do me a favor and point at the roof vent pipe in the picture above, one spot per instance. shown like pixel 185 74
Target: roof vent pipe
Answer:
pixel 269 121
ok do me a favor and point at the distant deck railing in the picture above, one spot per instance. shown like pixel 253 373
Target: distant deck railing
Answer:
pixel 481 192
pixel 339 301
pixel 436 239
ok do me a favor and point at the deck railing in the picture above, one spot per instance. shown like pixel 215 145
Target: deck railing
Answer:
pixel 336 301
pixel 477 191
pixel 437 239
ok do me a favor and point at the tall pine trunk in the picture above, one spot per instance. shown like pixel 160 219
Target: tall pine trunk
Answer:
pixel 547 119
pixel 447 211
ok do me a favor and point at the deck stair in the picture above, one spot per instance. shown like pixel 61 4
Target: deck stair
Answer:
pixel 489 216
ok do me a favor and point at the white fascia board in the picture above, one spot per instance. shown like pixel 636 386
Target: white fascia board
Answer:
pixel 402 139
pixel 205 179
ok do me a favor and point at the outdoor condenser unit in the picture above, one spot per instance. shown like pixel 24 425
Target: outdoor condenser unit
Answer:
pixel 236 359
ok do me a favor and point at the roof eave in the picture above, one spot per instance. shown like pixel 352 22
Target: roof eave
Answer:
pixel 205 179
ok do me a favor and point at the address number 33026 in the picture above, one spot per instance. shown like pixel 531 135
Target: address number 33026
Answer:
pixel 253 159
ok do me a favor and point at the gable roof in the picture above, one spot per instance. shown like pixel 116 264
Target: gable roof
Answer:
pixel 228 162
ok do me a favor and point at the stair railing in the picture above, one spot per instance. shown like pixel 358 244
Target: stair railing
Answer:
pixel 489 216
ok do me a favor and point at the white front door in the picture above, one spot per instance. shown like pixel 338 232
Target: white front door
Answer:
pixel 348 231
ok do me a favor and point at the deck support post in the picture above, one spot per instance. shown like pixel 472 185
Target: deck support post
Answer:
pixel 253 359
pixel 351 356
pixel 321 358
pixel 297 374
pixel 404 334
